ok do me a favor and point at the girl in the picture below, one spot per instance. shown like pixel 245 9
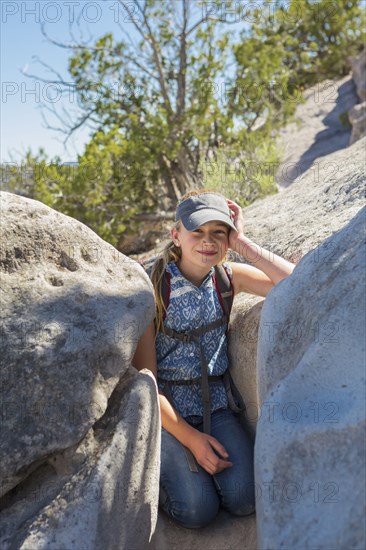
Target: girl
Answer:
pixel 206 461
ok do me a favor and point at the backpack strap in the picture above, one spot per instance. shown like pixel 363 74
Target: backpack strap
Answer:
pixel 165 291
pixel 224 289
pixel 223 285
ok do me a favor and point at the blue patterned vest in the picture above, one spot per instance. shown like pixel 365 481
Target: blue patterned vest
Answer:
pixel 189 308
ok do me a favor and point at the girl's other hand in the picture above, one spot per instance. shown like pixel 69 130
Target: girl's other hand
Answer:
pixel 203 448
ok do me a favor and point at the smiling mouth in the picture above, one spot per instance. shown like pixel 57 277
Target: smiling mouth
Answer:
pixel 207 253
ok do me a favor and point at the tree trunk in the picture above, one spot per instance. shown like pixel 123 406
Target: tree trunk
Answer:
pixel 177 175
pixel 169 182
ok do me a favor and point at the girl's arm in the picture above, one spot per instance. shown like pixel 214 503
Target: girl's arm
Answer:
pixel 269 268
pixel 145 354
pixel 200 444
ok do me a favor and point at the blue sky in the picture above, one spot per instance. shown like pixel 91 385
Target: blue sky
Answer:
pixel 22 42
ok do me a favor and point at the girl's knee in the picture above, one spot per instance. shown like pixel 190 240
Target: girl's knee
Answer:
pixel 242 509
pixel 240 503
pixel 191 514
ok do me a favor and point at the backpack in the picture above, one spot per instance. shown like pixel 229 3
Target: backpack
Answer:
pixel 224 289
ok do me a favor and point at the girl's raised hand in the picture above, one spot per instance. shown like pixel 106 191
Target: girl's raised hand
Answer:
pixel 203 447
pixel 237 217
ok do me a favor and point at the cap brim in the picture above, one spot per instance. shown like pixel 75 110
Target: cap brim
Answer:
pixel 198 218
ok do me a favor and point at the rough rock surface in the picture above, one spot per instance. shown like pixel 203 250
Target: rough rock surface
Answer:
pixel 320 127
pixel 73 309
pixel 101 494
pixel 310 445
pixel 316 205
pixel 243 341
pixel 291 224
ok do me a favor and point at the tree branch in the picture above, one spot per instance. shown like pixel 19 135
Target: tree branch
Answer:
pixel 70 129
pixel 155 49
pixel 141 67
pixel 126 7
pixel 74 46
pixel 203 20
pixel 40 79
pixel 181 91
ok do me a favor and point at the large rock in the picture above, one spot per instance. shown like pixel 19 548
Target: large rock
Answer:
pixel 310 442
pixel 73 309
pixel 320 127
pixel 243 340
pixel 291 224
pixel 103 493
pixel 316 205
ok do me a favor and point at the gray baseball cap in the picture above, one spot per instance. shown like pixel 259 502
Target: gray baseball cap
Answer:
pixel 203 208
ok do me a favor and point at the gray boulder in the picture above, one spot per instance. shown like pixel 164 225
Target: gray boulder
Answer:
pixel 310 442
pixel 243 343
pixel 318 203
pixel 102 493
pixel 291 224
pixel 320 127
pixel 73 309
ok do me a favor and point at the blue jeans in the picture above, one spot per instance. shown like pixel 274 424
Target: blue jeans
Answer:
pixel 194 498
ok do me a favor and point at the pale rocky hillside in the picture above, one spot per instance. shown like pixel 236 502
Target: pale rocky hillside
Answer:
pixel 330 116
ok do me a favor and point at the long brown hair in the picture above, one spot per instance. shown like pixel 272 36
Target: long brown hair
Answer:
pixel 170 253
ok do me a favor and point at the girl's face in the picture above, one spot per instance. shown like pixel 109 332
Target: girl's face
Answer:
pixel 205 246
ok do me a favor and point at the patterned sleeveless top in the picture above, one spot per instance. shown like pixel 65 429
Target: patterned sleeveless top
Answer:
pixel 189 308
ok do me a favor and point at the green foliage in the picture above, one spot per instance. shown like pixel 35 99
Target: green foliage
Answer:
pixel 344 120
pixel 110 183
pixel 40 178
pixel 115 182
pixel 153 90
pixel 320 36
pixel 301 43
pixel 244 173
pixel 180 104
